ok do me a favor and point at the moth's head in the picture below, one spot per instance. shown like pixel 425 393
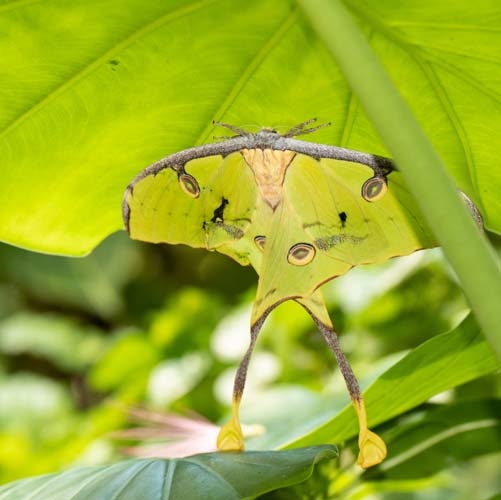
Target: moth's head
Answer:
pixel 268 135
pixel 301 129
pixel 269 130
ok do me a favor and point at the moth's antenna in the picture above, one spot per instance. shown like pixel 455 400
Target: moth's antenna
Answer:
pixel 237 130
pixel 302 130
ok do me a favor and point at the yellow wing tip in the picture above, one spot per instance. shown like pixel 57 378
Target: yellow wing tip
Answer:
pixel 230 437
pixel 372 449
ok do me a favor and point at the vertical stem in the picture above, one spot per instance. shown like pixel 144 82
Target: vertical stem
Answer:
pixel 467 250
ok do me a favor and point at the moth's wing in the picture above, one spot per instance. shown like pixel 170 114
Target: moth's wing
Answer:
pixel 247 249
pixel 161 211
pixel 322 207
pixel 345 225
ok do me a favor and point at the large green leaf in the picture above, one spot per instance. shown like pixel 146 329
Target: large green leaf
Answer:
pixel 222 476
pixel 436 436
pixel 93 92
pixel 439 364
pixel 465 247
pixel 426 441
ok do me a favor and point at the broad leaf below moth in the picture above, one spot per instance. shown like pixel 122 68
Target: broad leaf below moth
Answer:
pixel 300 213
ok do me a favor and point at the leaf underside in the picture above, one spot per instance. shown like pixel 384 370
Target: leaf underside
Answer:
pixel 83 110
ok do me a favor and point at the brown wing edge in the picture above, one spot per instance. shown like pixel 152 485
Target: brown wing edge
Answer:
pixel 270 139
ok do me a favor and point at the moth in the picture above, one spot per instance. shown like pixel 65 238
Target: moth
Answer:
pixel 300 213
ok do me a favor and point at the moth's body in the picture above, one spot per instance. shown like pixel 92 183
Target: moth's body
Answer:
pixel 269 167
pixel 300 213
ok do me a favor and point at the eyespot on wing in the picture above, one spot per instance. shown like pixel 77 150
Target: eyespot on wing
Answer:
pixel 301 254
pixel 374 188
pixel 260 242
pixel 189 185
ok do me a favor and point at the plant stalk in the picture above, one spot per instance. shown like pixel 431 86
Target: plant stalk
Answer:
pixel 466 248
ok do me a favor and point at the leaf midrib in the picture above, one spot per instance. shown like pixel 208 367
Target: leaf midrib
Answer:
pixel 423 62
pixel 252 67
pixel 213 473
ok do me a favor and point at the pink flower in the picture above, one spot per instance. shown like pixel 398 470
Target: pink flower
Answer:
pixel 174 435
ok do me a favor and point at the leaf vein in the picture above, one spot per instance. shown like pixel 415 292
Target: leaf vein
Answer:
pixel 465 77
pixel 453 117
pixel 351 112
pixel 89 68
pixel 446 26
pixel 253 66
pixel 214 473
pixel 168 478
pixel 445 50
pixel 124 486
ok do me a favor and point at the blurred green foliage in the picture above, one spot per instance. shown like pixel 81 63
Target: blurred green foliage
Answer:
pixel 163 327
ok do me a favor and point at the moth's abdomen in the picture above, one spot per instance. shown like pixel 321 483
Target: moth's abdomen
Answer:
pixel 269 167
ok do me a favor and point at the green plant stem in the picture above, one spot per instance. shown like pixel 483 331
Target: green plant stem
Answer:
pixel 466 248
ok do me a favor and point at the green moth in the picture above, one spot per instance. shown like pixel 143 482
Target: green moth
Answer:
pixel 300 213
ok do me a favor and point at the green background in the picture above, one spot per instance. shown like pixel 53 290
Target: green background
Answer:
pixel 91 93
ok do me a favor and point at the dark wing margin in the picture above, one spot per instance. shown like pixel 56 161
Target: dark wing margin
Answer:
pixel 267 139
pixel 261 140
pixel 177 161
pixel 126 208
pixel 381 165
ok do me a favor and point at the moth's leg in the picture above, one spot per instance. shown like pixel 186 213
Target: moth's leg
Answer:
pixel 301 130
pixel 291 132
pixel 230 437
pixel 237 130
pixel 372 447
